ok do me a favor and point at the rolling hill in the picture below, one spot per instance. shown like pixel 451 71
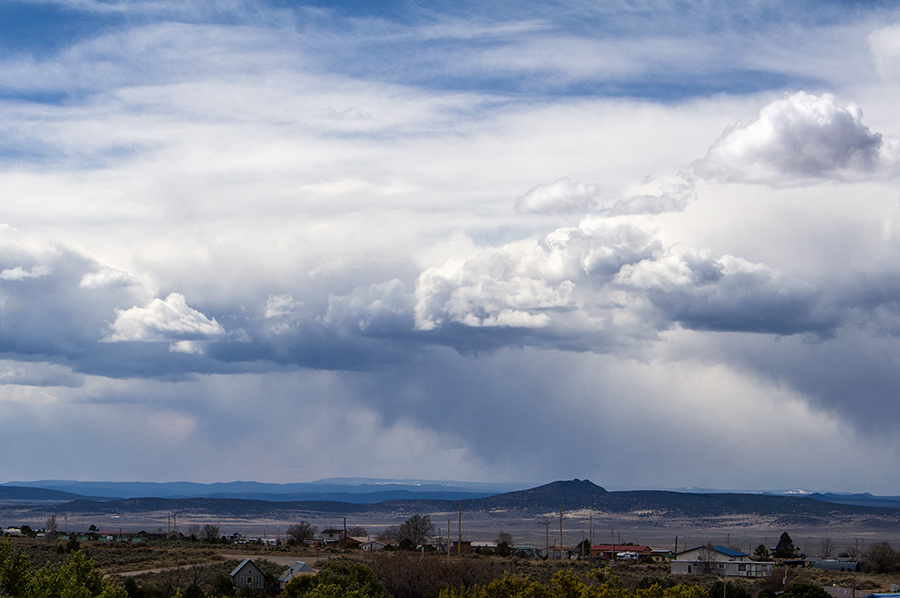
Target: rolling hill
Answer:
pixel 651 506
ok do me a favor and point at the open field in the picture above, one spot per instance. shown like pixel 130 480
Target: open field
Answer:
pixel 742 532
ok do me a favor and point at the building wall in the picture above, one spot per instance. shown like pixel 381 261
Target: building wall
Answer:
pixel 724 568
pixel 250 577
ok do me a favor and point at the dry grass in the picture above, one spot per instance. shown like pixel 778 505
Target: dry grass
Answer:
pixel 182 563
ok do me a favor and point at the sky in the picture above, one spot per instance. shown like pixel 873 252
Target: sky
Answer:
pixel 651 243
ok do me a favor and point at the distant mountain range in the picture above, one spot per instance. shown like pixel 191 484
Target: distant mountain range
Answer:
pixel 650 505
pixel 351 490
pixel 25 495
pixel 865 499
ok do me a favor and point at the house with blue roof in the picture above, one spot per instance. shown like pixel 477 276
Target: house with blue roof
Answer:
pixel 298 568
pixel 721 561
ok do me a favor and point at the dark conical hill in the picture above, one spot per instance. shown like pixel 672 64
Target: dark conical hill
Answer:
pixel 571 494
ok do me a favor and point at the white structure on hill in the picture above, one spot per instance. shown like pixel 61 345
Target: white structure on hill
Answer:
pixel 719 560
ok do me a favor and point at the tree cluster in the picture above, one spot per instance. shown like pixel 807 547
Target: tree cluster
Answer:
pixel 76 577
pixel 416 530
pixel 566 584
pixel 301 533
pixel 210 533
pixel 337 579
pixel 882 558
pixel 407 575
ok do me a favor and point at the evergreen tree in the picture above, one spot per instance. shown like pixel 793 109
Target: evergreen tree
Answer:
pixel 15 571
pixel 785 547
pixel 222 585
pixel 353 579
pixel 75 578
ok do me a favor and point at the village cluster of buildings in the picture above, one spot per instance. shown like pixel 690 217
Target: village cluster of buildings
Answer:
pixel 701 560
pixel 708 559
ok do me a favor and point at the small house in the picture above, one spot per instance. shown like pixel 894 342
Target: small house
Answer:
pixel 719 560
pixel 373 545
pixel 248 575
pixel 298 568
pixel 332 536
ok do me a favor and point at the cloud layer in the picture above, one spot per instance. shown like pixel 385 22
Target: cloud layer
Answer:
pixel 445 233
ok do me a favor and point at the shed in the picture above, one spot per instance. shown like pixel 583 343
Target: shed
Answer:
pixel 298 568
pixel 248 575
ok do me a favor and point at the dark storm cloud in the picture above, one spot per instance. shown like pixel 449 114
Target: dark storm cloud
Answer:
pixel 700 292
pixel 601 286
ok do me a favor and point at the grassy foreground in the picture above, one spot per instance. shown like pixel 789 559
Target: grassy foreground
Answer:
pixel 166 569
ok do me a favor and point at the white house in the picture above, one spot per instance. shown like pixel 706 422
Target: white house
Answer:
pixel 719 560
pixel 332 536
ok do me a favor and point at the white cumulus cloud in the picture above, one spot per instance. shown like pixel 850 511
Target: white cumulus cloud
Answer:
pixel 800 138
pixel 19 273
pixel 168 320
pixel 107 277
pixel 558 197
pixel 522 283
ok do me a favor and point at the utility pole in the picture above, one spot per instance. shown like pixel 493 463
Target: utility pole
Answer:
pixel 448 538
pixel 547 549
pixel 560 533
pixel 592 530
pixel 459 543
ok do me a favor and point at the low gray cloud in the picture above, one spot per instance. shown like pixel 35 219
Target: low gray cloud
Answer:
pixel 382 308
pixel 657 195
pixel 37 374
pixel 699 291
